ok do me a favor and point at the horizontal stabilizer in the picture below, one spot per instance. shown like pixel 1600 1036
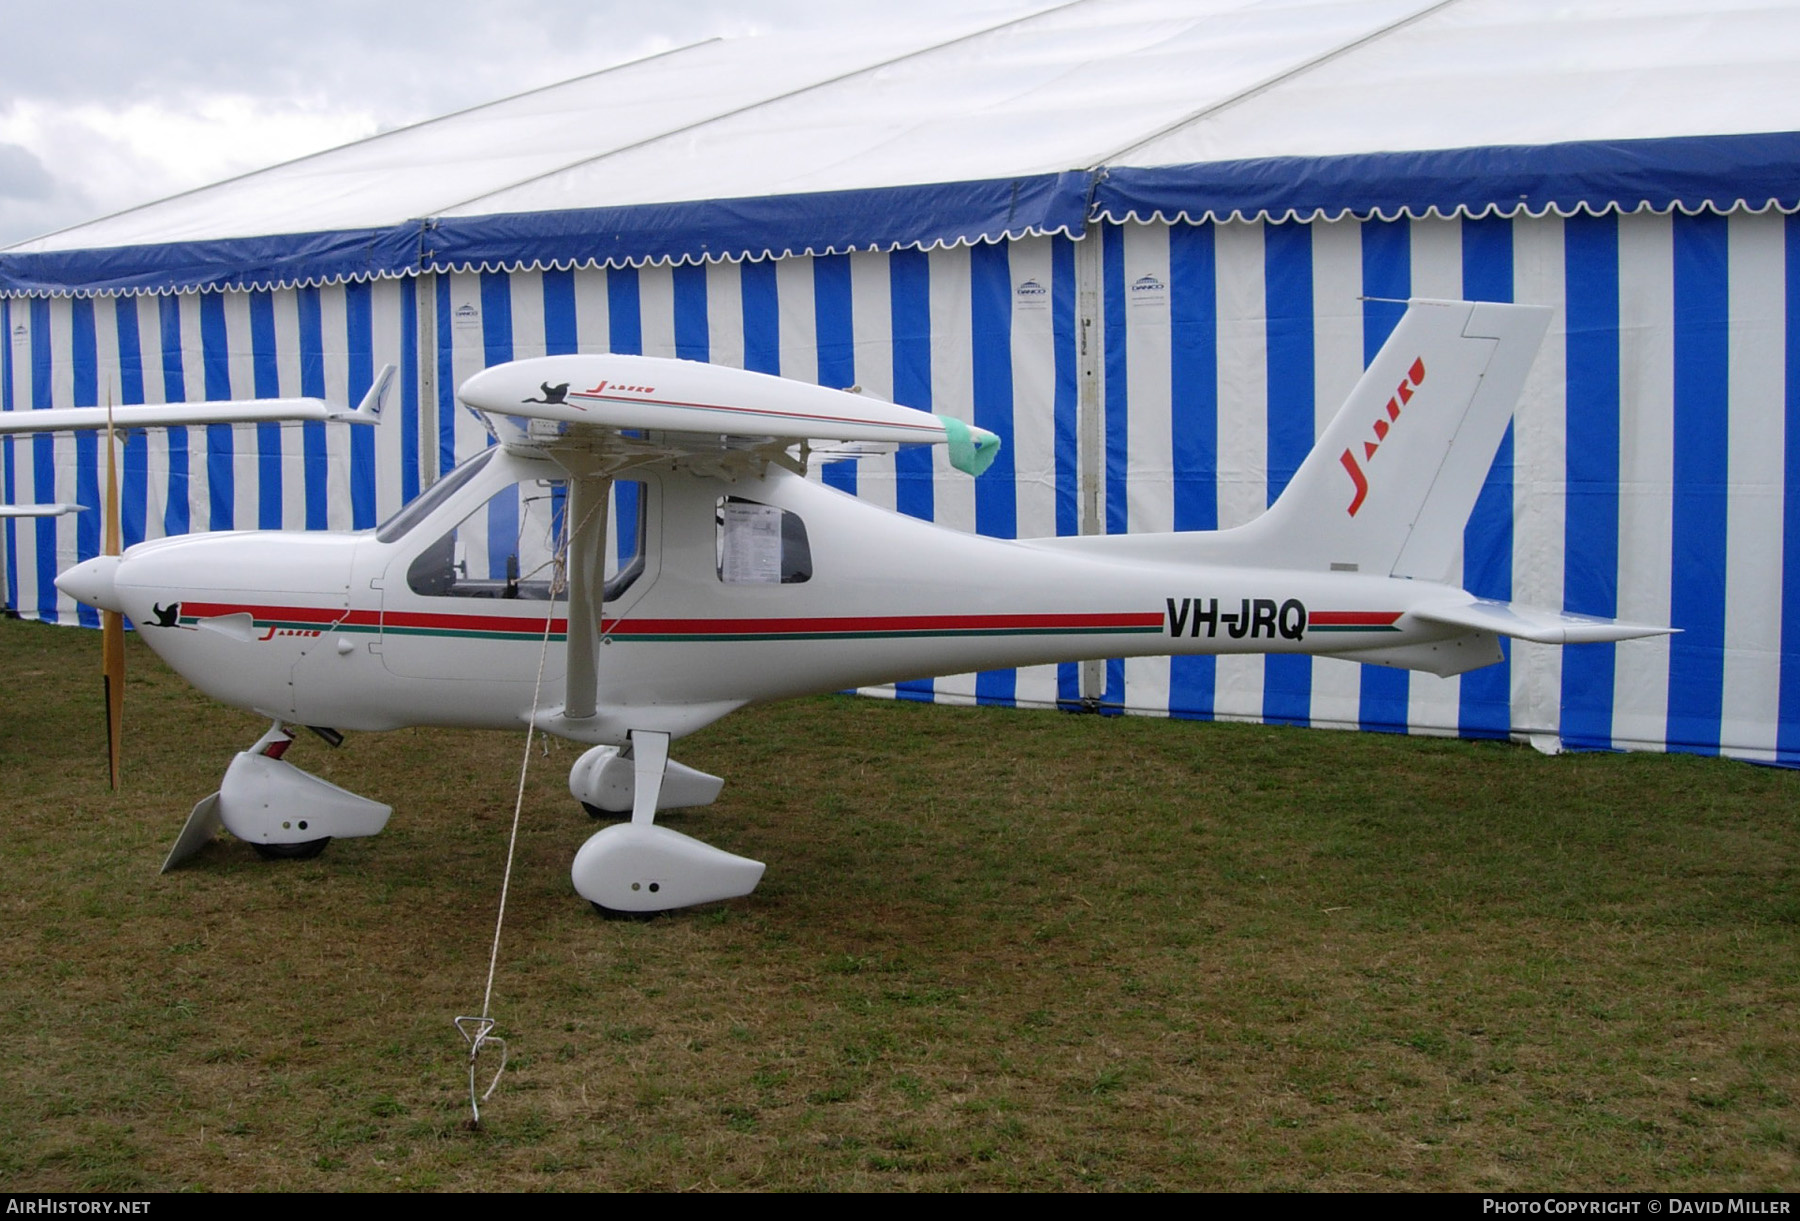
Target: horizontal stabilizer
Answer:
pixel 1530 623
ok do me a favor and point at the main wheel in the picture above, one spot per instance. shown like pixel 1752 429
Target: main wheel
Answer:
pixel 613 913
pixel 597 813
pixel 304 851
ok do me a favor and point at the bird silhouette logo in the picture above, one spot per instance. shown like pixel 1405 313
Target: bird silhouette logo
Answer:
pixel 553 395
pixel 166 616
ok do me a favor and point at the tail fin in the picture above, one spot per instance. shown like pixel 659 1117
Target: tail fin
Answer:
pixel 1389 487
pixel 369 410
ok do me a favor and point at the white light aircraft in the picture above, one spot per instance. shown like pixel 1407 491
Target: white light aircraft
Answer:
pixel 749 582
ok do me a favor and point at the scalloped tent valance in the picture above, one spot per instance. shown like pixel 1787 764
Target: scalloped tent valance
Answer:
pixel 1690 174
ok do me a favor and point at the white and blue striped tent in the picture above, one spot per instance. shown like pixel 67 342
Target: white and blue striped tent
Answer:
pixel 1151 243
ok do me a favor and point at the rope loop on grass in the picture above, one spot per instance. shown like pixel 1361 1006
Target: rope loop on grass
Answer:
pixel 478 1032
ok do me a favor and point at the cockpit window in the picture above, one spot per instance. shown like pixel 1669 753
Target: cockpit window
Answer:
pixel 506 548
pixel 759 544
pixel 512 547
pixel 421 505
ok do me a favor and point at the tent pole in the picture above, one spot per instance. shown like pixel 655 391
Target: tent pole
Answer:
pixel 1090 371
pixel 427 348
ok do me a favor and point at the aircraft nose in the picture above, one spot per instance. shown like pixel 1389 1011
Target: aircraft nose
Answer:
pixel 91 581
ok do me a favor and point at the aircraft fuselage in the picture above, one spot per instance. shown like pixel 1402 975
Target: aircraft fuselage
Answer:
pixel 749 589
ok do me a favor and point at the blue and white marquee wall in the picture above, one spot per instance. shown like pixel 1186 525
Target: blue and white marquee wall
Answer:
pixel 1646 475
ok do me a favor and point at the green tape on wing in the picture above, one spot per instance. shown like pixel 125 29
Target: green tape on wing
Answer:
pixel 972 450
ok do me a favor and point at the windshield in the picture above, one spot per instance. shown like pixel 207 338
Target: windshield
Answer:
pixel 422 505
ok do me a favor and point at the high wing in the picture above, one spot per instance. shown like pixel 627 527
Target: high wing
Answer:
pixel 639 405
pixel 599 415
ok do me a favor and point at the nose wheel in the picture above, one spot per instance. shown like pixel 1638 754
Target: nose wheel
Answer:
pixel 282 812
pixel 306 850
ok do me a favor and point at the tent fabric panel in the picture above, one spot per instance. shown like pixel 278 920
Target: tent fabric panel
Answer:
pixel 1052 91
pixel 831 222
pixel 1646 476
pixel 1518 72
pixel 275 261
pixel 431 167
pixel 1141 84
pixel 1689 174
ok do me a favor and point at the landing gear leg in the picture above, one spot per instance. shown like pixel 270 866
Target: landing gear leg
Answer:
pixel 604 781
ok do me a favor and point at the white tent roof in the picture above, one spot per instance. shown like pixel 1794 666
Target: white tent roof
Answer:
pixel 1089 86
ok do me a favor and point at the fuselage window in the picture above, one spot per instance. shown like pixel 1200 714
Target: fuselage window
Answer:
pixel 630 530
pixel 759 544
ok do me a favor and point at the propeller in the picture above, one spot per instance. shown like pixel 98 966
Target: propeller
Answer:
pixel 112 623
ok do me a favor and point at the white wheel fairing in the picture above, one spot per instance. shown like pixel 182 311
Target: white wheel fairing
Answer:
pixel 269 801
pixel 640 867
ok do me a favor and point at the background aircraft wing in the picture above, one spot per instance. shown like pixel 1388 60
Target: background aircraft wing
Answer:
pixel 47 510
pixel 169 415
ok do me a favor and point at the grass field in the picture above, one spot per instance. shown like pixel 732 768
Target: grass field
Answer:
pixel 993 950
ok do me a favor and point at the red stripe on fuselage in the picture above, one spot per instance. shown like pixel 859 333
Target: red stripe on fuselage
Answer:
pixel 1352 618
pixel 327 616
pixel 471 623
pixel 885 623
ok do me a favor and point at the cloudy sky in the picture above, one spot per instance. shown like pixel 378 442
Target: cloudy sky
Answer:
pixel 105 104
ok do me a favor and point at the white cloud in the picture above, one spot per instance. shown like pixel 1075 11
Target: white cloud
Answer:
pixel 111 156
pixel 124 103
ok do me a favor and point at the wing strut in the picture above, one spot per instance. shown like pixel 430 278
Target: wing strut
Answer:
pixel 586 514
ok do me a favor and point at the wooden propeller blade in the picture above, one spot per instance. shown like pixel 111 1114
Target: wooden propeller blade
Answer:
pixel 112 623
